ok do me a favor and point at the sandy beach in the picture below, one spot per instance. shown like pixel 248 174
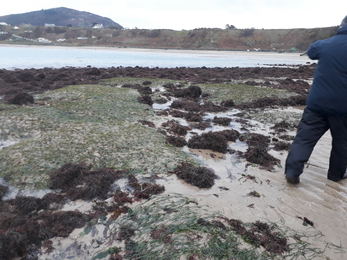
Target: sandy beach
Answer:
pixel 111 103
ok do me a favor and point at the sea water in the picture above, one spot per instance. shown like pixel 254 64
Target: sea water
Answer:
pixel 22 57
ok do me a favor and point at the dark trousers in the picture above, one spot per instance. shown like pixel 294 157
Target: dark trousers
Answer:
pixel 311 128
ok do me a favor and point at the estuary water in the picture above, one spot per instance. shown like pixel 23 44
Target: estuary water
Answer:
pixel 22 57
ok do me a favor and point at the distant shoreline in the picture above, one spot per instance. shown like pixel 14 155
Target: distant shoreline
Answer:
pixel 142 49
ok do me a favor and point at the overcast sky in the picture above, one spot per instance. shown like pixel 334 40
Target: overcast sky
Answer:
pixel 191 14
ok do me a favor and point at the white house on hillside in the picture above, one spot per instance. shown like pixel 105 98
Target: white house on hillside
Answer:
pixel 98 26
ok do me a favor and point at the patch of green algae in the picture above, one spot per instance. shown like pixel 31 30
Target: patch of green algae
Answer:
pixel 241 93
pixel 91 123
pixel 97 124
pixel 218 92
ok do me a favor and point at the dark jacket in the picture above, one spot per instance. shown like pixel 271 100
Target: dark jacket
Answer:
pixel 328 94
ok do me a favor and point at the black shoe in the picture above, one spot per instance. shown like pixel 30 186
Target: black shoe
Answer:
pixel 293 180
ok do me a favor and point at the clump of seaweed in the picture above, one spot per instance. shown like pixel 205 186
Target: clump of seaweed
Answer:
pixel 201 125
pixel 160 100
pixel 261 234
pixel 3 191
pixel 187 105
pixel 26 204
pixel 228 103
pixel 121 197
pixel 215 141
pixel 144 190
pixel 22 99
pixel 145 90
pixel 230 134
pixel 145 99
pixel 176 141
pixel 280 145
pixel 23 233
pixel 148 123
pixel 259 155
pixel 209 106
pixel 79 182
pixel 201 177
pixel 190 92
pixel 282 126
pixel 176 128
pixel 224 121
pixel 189 116
pixel 64 177
pixel 287 137
pixel 298 100
pixel 255 139
pixel 12 244
pixel 147 82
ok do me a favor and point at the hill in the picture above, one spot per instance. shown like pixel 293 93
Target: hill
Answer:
pixel 61 16
pixel 64 26
pixel 278 40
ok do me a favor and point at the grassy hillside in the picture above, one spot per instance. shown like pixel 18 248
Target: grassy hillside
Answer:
pixel 203 38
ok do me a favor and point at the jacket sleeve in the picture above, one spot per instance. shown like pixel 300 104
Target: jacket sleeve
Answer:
pixel 314 50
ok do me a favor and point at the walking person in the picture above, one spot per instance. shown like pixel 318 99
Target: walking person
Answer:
pixel 326 108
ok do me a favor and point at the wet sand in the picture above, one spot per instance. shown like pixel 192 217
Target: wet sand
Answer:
pixel 316 198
